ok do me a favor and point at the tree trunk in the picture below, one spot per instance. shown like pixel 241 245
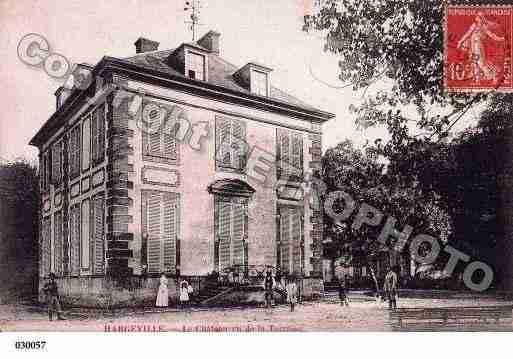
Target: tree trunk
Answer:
pixel 373 275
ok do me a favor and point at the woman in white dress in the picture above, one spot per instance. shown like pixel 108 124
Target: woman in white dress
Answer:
pixel 184 293
pixel 163 293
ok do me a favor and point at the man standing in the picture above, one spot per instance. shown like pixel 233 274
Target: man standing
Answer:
pixel 51 291
pixel 390 288
pixel 268 286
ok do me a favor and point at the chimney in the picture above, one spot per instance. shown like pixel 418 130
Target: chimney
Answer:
pixel 145 45
pixel 210 41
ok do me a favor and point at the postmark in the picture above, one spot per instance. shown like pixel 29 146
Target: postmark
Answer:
pixel 477 48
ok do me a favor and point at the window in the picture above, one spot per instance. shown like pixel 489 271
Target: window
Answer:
pixel 290 241
pixel 98 135
pixel 289 154
pixel 231 146
pixel 44 171
pixel 231 227
pixel 161 223
pixel 74 239
pixel 259 82
pixel 195 66
pixel 74 152
pixel 84 244
pixel 45 247
pixel 159 140
pixel 86 143
pixel 57 244
pixel 97 234
pixel 57 163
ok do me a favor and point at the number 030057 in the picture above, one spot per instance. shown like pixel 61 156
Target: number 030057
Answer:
pixel 28 345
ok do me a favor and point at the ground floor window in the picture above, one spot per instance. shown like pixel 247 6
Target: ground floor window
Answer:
pixel 231 222
pixel 74 240
pixel 98 233
pixel 290 246
pixel 57 256
pixel 161 223
pixel 46 232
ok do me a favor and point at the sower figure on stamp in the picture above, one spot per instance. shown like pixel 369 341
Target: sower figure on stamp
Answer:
pixel 390 288
pixel 52 294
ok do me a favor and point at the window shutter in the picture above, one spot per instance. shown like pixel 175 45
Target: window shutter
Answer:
pixel 45 247
pixel 285 239
pixel 94 139
pixel 223 143
pixel 169 138
pixel 285 154
pixel 224 234
pixel 297 154
pixel 170 231
pixel 74 232
pixel 100 118
pixel 85 257
pixel 296 240
pixel 98 235
pixel 57 163
pixel 238 232
pixel 154 232
pixel 154 136
pixel 57 257
pixel 238 143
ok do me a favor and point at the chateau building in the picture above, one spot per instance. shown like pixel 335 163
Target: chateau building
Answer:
pixel 175 161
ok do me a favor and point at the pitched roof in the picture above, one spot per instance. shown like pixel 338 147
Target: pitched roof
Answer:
pixel 220 73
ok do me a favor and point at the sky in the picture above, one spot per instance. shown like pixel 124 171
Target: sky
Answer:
pixel 268 32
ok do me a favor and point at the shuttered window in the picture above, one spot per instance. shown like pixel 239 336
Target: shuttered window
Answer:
pixel 231 146
pixel 45 171
pixel 291 240
pixel 57 163
pixel 289 154
pixel 231 223
pixel 98 234
pixel 74 240
pixel 161 223
pixel 159 139
pixel 86 143
pixel 74 152
pixel 57 244
pixel 46 232
pixel 85 239
pixel 98 134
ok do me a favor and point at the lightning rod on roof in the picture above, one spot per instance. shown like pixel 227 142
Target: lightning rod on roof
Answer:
pixel 194 7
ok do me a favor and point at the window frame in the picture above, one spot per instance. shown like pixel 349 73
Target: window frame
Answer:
pixel 189 56
pixel 242 149
pixel 256 85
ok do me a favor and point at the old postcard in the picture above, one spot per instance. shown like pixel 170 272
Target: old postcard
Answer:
pixel 256 166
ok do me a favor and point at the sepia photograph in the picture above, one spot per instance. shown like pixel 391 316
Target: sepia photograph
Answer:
pixel 256 168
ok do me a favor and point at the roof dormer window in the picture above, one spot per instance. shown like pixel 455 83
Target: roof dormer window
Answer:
pixel 195 66
pixel 259 83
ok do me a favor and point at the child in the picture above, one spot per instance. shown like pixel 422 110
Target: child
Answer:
pixel 291 292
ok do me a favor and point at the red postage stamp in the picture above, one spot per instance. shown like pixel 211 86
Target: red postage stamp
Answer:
pixel 477 48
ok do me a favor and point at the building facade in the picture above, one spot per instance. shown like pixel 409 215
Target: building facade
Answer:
pixel 175 161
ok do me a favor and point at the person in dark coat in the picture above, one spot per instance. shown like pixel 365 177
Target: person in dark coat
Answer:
pixel 390 288
pixel 268 286
pixel 52 293
pixel 342 291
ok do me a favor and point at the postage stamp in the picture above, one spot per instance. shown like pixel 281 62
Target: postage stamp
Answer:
pixel 477 48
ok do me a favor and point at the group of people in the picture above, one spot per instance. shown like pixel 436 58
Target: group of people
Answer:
pixel 389 289
pixel 290 288
pixel 185 290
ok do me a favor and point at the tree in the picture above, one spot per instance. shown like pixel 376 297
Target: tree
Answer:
pixel 19 209
pixel 398 44
pixel 360 174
